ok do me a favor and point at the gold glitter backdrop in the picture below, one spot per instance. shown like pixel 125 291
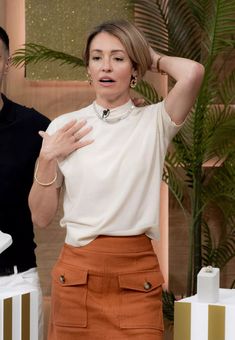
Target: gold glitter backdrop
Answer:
pixel 63 25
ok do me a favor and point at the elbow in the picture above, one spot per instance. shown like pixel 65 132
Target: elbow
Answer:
pixel 194 78
pixel 200 71
pixel 197 73
pixel 40 221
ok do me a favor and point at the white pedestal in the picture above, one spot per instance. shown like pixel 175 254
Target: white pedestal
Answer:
pixel 5 241
pixel 18 314
pixel 208 285
pixel 195 320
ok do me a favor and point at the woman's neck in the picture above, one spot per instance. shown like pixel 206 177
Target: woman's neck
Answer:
pixel 112 103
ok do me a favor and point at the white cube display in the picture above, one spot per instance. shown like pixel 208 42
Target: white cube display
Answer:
pixel 194 320
pixel 208 281
pixel 18 314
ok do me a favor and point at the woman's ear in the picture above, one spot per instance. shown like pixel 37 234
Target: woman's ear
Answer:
pixel 134 73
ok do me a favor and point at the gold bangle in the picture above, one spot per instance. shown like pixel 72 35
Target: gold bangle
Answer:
pixel 41 183
pixel 158 66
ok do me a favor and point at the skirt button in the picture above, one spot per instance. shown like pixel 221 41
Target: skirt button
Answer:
pixel 147 285
pixel 62 279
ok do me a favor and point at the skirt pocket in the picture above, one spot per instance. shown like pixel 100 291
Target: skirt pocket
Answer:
pixel 69 294
pixel 141 300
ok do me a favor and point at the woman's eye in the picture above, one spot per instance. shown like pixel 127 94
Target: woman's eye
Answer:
pixel 118 59
pixel 95 58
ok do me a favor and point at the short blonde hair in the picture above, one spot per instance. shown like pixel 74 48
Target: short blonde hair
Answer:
pixel 132 39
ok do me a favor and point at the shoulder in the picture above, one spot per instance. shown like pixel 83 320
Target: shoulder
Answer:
pixel 61 120
pixel 152 110
pixel 158 110
pixel 160 118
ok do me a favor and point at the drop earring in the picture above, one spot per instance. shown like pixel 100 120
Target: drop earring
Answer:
pixel 133 82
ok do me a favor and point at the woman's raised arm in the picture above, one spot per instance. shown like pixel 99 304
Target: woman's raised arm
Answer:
pixel 188 75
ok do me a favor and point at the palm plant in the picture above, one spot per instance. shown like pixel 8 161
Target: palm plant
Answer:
pixel 202 30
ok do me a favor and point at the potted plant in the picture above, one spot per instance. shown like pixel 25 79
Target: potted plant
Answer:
pixel 203 31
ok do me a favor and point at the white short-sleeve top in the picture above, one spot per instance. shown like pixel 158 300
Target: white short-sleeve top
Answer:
pixel 112 186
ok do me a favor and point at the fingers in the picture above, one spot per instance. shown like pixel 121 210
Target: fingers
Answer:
pixel 72 128
pixel 76 131
pixel 67 139
pixel 73 125
pixel 82 133
pixel 82 143
pixel 68 125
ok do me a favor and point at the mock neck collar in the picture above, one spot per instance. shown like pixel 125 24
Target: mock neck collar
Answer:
pixel 116 112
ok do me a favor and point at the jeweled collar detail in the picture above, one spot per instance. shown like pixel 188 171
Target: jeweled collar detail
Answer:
pixel 112 116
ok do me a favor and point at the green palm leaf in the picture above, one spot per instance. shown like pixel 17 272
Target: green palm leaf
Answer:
pixel 199 9
pixel 207 245
pixel 34 53
pixel 147 14
pixel 174 182
pixel 219 132
pixel 220 26
pixel 148 92
pixel 225 251
pixel 217 256
pixel 219 190
pixel 169 27
pixel 226 89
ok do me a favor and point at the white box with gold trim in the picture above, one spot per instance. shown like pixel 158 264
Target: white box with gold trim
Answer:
pixel 18 314
pixel 194 320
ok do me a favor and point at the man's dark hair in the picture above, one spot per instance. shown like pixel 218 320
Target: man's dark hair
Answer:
pixel 4 38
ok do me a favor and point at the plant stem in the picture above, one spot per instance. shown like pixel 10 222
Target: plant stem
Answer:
pixel 197 222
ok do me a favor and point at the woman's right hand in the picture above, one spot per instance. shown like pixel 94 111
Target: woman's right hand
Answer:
pixel 65 140
pixel 154 56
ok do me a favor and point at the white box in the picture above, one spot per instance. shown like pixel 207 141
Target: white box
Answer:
pixel 194 320
pixel 5 241
pixel 208 280
pixel 18 314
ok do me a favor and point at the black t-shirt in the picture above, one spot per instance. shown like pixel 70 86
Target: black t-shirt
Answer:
pixel 20 144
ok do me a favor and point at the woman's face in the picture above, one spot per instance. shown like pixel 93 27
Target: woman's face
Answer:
pixel 110 69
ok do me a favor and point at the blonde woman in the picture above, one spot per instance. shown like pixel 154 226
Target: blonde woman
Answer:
pixel 109 158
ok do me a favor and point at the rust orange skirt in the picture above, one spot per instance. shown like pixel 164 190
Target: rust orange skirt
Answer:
pixel 109 289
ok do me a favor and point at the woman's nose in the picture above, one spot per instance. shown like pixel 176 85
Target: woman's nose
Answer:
pixel 107 67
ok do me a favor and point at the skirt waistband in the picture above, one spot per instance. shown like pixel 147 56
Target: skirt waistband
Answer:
pixel 118 244
pixel 112 254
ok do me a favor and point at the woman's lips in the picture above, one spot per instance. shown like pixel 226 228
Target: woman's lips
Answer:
pixel 106 81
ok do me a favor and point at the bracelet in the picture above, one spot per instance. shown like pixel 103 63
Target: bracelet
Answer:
pixel 41 183
pixel 158 66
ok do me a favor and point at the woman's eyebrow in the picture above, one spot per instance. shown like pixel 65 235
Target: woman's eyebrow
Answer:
pixel 112 51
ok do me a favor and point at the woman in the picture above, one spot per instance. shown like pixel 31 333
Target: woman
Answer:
pixel 107 281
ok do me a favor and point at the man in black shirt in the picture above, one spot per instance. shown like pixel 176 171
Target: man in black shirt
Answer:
pixel 20 144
